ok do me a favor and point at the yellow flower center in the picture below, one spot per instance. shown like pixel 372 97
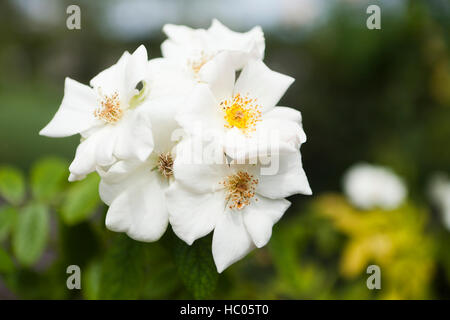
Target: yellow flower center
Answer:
pixel 165 164
pixel 240 189
pixel 109 110
pixel 242 113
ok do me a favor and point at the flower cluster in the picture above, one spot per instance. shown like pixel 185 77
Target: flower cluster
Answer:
pixel 180 140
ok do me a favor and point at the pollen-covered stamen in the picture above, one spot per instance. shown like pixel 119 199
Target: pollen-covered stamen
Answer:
pixel 240 189
pixel 165 164
pixel 197 63
pixel 109 110
pixel 241 112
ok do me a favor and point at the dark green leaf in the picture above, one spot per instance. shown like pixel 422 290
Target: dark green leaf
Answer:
pixel 6 264
pixel 123 269
pixel 162 280
pixel 48 176
pixel 31 233
pixel 81 200
pixel 196 267
pixel 7 219
pixel 12 184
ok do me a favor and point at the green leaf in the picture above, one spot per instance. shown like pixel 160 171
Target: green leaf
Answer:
pixel 6 263
pixel 12 184
pixel 7 218
pixel 48 176
pixel 81 200
pixel 31 233
pixel 162 281
pixel 123 269
pixel 196 267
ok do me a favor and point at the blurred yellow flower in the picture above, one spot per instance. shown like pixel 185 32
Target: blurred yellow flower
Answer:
pixel 393 239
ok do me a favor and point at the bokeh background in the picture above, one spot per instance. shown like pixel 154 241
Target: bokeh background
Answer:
pixel 379 96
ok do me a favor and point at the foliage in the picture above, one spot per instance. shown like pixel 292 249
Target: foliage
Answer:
pixel 196 267
pixel 395 240
pixel 12 186
pixel 30 234
pixel 28 216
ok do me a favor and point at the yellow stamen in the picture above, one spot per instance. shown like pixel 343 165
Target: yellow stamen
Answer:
pixel 109 110
pixel 242 113
pixel 240 189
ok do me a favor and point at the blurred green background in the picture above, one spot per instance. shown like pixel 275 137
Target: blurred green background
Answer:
pixel 381 96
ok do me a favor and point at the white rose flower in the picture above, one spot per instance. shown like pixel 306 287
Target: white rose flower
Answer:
pixel 106 116
pixel 439 191
pixel 369 186
pixel 194 48
pixel 235 200
pixel 242 116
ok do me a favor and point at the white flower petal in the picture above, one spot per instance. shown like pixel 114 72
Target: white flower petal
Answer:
pixel 219 74
pixel 140 209
pixel 286 122
pixel 285 113
pixel 200 176
pixel 183 41
pixel 239 146
pixel 116 178
pixel 111 80
pixel 134 136
pixel 289 179
pixel 76 113
pixel 201 112
pixel 166 78
pixel 261 215
pixel 257 81
pixel 95 150
pixel 177 33
pixel 136 70
pixel 161 113
pixel 278 132
pixel 231 241
pixel 74 177
pixel 242 46
pixel 193 215
pixel 123 76
pixel 182 34
pixel 171 50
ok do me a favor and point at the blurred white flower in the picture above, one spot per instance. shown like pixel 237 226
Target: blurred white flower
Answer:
pixel 369 186
pixel 235 201
pixel 194 48
pixel 439 191
pixel 242 115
